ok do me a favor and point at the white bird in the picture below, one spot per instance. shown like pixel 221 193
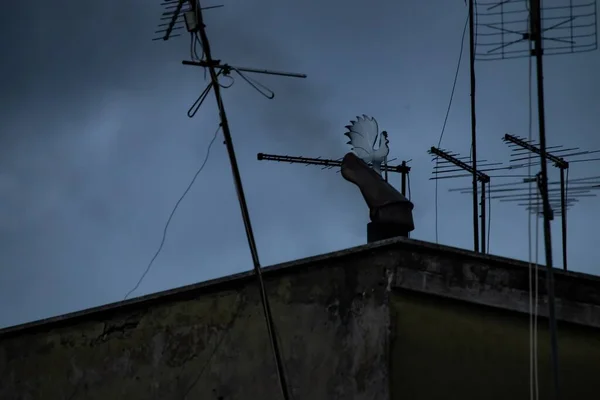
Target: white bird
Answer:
pixel 364 135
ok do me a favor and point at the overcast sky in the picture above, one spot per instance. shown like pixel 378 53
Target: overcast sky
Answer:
pixel 96 147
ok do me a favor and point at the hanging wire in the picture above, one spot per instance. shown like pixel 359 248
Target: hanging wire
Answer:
pixel 533 277
pixel 489 218
pixel 462 45
pixel 185 192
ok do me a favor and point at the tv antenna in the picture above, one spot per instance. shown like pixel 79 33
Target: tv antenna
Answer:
pixel 507 29
pixel 190 12
pixel 327 163
pixel 521 150
pixel 561 198
pixel 448 165
pixel 363 135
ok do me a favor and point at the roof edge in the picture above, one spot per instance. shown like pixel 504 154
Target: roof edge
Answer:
pixel 234 280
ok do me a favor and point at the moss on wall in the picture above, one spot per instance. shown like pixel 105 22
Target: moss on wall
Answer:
pixel 445 349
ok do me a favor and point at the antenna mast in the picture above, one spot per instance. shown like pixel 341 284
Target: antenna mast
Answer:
pixel 195 25
pixel 474 135
pixel 572 28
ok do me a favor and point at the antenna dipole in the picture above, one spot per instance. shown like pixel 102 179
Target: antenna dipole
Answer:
pixel 452 163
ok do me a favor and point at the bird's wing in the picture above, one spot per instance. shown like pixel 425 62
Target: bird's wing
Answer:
pixel 363 134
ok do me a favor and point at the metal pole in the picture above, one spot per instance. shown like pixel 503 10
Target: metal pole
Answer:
pixel 403 178
pixel 241 197
pixel 536 33
pixel 483 217
pixel 473 122
pixel 563 212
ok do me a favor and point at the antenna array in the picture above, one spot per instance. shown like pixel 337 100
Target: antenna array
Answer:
pixel 503 28
pixel 560 198
pixel 523 28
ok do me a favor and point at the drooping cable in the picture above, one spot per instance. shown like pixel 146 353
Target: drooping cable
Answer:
pixel 164 235
pixel 489 217
pixel 462 45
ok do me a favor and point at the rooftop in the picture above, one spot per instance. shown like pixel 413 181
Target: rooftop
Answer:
pixel 419 266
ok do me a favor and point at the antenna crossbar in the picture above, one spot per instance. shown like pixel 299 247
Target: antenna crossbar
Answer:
pixel 402 168
pixel 558 161
pixel 228 68
pixel 481 177
pixel 478 176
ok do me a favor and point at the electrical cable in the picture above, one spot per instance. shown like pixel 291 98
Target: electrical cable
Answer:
pixel 533 278
pixel 462 45
pixel 489 217
pixel 164 236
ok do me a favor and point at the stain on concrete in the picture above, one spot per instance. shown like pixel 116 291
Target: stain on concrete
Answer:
pixel 331 315
pixel 331 322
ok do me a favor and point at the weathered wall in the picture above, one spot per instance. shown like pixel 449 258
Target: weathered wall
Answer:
pixel 460 328
pixel 210 342
pixel 476 352
pixel 457 322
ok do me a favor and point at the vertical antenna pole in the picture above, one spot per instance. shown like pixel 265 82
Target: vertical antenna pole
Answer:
pixel 241 197
pixel 473 122
pixel 536 25
pixel 563 212
pixel 385 164
pixel 483 217
pixel 403 188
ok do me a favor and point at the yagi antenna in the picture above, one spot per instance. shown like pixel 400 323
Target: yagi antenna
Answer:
pixel 450 165
pixel 175 15
pixel 180 13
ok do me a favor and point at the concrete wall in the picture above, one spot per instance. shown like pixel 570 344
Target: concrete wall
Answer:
pixel 210 342
pixel 460 328
pixel 457 323
pixel 443 346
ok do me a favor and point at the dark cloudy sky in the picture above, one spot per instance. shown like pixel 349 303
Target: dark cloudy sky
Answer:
pixel 96 147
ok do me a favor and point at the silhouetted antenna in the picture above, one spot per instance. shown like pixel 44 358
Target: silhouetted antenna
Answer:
pixel 173 18
pixel 328 163
pixel 507 29
pixel 191 11
pixel 179 14
pixel 503 28
pixel 521 157
pixel 448 166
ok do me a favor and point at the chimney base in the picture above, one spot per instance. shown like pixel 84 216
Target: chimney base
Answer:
pixel 380 231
